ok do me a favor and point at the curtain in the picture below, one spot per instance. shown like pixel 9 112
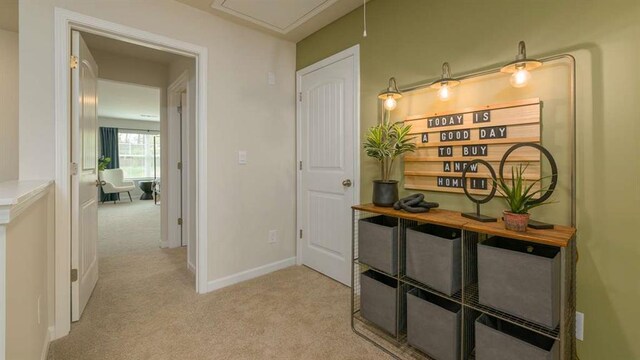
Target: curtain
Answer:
pixel 109 148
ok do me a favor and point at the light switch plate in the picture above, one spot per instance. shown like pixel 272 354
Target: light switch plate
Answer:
pixel 242 157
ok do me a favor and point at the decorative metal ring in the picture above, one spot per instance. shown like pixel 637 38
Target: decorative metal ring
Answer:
pixel 493 181
pixel 547 154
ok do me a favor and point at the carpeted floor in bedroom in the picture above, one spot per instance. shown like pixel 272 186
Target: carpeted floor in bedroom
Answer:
pixel 145 307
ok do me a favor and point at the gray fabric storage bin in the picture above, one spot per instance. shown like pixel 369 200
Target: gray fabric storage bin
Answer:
pixel 520 278
pixel 378 300
pixel 378 243
pixel 433 257
pixel 500 340
pixel 433 325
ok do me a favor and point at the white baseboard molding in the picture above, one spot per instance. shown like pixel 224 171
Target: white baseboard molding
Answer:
pixel 250 274
pixel 47 340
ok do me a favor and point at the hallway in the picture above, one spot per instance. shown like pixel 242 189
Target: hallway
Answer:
pixel 145 307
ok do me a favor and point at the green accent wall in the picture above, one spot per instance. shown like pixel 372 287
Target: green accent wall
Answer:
pixel 410 39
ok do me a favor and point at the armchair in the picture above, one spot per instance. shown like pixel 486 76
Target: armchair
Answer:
pixel 112 181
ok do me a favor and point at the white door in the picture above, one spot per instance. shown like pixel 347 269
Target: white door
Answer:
pixel 328 151
pixel 84 182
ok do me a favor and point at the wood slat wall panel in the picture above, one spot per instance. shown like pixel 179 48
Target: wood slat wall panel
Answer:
pixel 447 146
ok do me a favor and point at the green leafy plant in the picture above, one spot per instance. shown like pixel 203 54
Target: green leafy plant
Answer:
pixel 518 194
pixel 103 162
pixel 385 142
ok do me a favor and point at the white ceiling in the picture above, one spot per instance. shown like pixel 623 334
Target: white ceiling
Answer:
pixel 288 19
pixel 128 101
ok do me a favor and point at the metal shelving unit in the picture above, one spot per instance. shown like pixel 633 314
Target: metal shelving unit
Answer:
pixel 397 346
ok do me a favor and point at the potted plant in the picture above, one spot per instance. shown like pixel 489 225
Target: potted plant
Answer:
pixel 385 142
pixel 103 162
pixel 519 197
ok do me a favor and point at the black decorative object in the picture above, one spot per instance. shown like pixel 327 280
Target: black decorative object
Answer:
pixel 554 178
pixel 414 204
pixel 385 193
pixel 477 216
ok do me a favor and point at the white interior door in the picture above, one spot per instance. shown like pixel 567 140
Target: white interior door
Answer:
pixel 328 151
pixel 84 182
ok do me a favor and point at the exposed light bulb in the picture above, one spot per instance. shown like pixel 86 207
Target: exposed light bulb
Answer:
pixel 444 92
pixel 520 78
pixel 390 103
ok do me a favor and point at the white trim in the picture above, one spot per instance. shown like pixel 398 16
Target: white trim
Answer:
pixel 45 346
pixel 65 20
pixel 18 195
pixel 354 52
pixel 251 273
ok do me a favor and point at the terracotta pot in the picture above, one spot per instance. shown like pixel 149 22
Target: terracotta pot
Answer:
pixel 515 222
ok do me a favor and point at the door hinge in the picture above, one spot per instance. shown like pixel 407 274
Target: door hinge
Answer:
pixel 179 165
pixel 300 96
pixel 300 167
pixel 300 233
pixel 73 169
pixel 73 62
pixel 180 109
pixel 74 275
pixel 180 221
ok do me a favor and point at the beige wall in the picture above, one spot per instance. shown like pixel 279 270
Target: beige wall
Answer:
pixel 410 39
pixel 244 113
pixel 29 270
pixel 9 105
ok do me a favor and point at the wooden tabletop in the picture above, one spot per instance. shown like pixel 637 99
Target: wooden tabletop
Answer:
pixel 558 236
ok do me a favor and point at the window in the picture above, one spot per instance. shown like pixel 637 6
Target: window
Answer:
pixel 139 154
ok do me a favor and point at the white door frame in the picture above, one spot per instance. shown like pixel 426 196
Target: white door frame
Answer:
pixel 65 21
pixel 354 52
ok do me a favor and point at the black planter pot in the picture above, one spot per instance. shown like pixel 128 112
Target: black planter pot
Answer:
pixel 385 193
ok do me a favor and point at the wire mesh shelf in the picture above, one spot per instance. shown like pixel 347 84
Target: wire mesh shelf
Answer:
pixel 472 301
pixel 397 345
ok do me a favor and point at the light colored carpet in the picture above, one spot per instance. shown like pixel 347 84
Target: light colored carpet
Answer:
pixel 145 307
pixel 126 227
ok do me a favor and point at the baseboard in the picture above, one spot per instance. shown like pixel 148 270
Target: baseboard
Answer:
pixel 191 267
pixel 47 340
pixel 250 274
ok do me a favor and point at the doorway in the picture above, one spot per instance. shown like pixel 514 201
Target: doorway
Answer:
pixel 328 162
pixel 67 235
pixel 120 104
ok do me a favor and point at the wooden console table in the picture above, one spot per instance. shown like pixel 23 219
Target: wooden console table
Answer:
pixel 473 232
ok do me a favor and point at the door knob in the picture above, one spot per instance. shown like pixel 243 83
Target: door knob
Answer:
pixel 97 183
pixel 346 183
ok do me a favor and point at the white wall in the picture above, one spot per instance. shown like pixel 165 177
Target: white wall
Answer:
pixel 245 113
pixel 8 105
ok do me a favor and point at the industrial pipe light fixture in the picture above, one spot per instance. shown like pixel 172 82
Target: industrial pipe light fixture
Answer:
pixel 445 83
pixel 390 95
pixel 520 67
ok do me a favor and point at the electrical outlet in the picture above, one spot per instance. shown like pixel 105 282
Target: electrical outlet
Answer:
pixel 273 236
pixel 271 78
pixel 242 157
pixel 579 326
